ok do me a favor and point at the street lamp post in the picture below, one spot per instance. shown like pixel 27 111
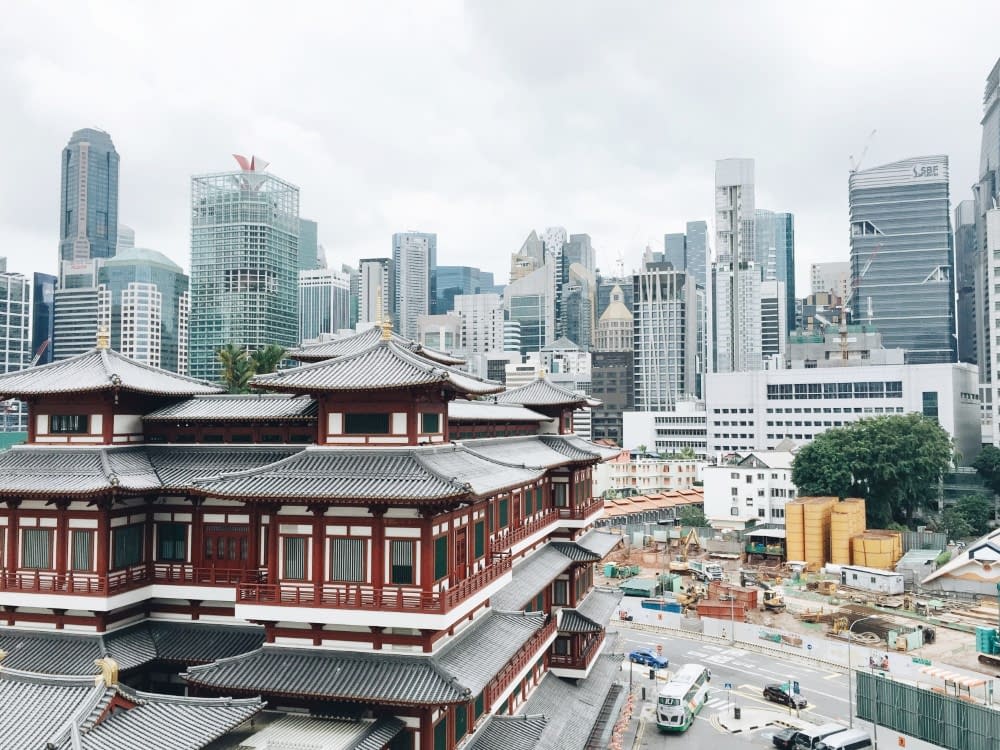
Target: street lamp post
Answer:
pixel 850 680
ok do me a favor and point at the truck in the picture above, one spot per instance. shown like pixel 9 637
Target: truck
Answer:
pixel 705 571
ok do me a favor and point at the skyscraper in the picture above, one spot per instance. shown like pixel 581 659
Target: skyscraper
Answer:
pixel 244 263
pixel 773 325
pixel 579 303
pixel 665 336
pixel 324 302
pixel 145 289
pixel 774 251
pixel 675 250
pixel 987 196
pixel 696 244
pixel 15 341
pixel 965 279
pixel 414 254
pixel 482 322
pixel 88 200
pixel 375 290
pixel 308 245
pixel 43 291
pixel 529 301
pixel 902 259
pixel 733 297
pixel 450 281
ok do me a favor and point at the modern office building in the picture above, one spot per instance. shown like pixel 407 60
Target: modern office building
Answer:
pixel 986 193
pixel 308 245
pixel 145 290
pixel 696 249
pixel 579 249
pixel 831 277
pixel 450 281
pixel 612 376
pixel 43 292
pixel 529 301
pixel 758 410
pixel 244 263
pixel 79 314
pixel 529 258
pixel 990 390
pixel 324 303
pixel 665 337
pixel 126 238
pixel 482 322
pixel 902 258
pixel 88 202
pixel 376 300
pixel 614 329
pixel 606 286
pixel 414 254
pixel 774 251
pixel 579 302
pixel 440 332
pixel 773 326
pixel 733 298
pixel 965 279
pixel 684 426
pixel 15 340
pixel 675 250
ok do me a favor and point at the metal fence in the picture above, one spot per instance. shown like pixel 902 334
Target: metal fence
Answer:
pixel 944 720
pixel 923 540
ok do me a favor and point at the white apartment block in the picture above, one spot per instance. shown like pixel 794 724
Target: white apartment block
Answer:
pixel 482 322
pixel 183 320
pixel 755 411
pixel 668 431
pixel 374 289
pixel 646 474
pixel 754 487
pixel 15 340
pixel 142 323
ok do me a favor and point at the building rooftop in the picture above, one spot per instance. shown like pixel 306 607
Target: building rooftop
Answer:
pixel 244 407
pixel 461 410
pixel 359 342
pixel 543 392
pixel 100 370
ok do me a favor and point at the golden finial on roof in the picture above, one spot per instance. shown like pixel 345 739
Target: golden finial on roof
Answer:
pixel 3 654
pixel 109 672
pixel 541 373
pixel 386 330
pixel 103 337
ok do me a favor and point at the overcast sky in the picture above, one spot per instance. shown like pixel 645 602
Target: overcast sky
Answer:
pixel 482 121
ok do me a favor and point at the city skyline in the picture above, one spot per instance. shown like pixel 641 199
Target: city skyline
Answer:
pixel 621 179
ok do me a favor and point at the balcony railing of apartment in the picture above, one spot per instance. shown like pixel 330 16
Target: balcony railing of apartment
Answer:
pixel 527 654
pixel 507 538
pixel 582 511
pixel 581 660
pixel 367 597
pixel 77 583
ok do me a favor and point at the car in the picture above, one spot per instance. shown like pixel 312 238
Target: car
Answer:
pixel 649 657
pixel 785 739
pixel 781 694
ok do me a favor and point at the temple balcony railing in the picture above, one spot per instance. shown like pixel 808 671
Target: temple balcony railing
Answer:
pixel 83 583
pixel 505 539
pixel 526 655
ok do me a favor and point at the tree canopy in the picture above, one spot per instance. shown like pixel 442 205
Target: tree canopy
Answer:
pixel 895 462
pixel 987 463
pixel 692 515
pixel 239 365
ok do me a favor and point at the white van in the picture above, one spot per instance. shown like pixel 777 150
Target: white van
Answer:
pixel 809 738
pixel 851 739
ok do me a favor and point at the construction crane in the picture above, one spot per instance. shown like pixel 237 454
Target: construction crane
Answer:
pixel 856 165
pixel 39 353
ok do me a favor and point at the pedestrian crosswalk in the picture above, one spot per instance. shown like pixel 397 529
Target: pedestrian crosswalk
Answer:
pixel 719 704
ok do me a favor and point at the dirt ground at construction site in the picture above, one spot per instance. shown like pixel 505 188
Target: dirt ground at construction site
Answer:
pixel 808 611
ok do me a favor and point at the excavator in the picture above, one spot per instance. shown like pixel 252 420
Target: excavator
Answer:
pixel 772 600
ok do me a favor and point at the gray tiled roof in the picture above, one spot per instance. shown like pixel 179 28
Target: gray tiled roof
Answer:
pixel 600 604
pixel 51 470
pixel 348 345
pixel 337 473
pixel 307 732
pixel 530 577
pixel 574 622
pixel 61 653
pixel 167 721
pixel 34 708
pixel 484 476
pixel 381 733
pixel 382 367
pixel 461 410
pixel 335 675
pixel 510 733
pixel 599 542
pixel 520 451
pixel 477 654
pixel 179 465
pixel 576 552
pixel 577 448
pixel 243 407
pixel 543 392
pixel 572 709
pixel 99 370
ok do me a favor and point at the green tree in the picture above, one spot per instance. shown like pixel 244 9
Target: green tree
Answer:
pixel 954 524
pixel 692 515
pixel 237 369
pixel 977 511
pixel 895 462
pixel 987 463
pixel 267 359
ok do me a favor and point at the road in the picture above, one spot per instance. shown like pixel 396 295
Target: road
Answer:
pixel 748 672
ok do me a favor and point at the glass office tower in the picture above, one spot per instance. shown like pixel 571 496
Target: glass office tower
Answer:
pixel 902 257
pixel 244 264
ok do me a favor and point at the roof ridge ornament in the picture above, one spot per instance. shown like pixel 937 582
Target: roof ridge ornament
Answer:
pixel 386 330
pixel 109 672
pixel 103 337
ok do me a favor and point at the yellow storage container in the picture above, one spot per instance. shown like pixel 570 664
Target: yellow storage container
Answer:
pixel 794 541
pixel 816 513
pixel 847 520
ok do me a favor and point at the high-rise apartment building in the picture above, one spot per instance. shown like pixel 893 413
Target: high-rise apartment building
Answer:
pixel 696 250
pixel 414 254
pixel 733 299
pixel 774 251
pixel 324 303
pixel 965 279
pixel 88 199
pixel 902 258
pixel 675 250
pixel 145 290
pixel 376 301
pixel 831 277
pixel 986 193
pixel 665 336
pixel 482 322
pixel 244 263
pixel 15 341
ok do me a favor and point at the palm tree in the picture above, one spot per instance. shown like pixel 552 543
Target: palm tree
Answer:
pixel 267 359
pixel 237 368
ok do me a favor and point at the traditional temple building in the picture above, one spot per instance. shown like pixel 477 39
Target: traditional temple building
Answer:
pixel 375 536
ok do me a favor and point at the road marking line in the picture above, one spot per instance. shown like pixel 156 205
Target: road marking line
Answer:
pixel 834 676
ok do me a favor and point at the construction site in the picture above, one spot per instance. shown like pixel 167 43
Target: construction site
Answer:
pixel 822 574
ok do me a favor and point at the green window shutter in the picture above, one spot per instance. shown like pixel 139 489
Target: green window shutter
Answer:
pixel 441 735
pixel 461 721
pixel 529 498
pixel 479 705
pixel 504 513
pixel 480 540
pixel 440 557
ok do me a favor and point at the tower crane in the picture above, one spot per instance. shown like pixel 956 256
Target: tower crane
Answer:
pixel 856 165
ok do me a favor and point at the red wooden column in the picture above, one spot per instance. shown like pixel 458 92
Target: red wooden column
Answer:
pixel 272 544
pixel 427 549
pixel 12 535
pixel 62 540
pixel 253 544
pixel 103 536
pixel 318 549
pixel 197 552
